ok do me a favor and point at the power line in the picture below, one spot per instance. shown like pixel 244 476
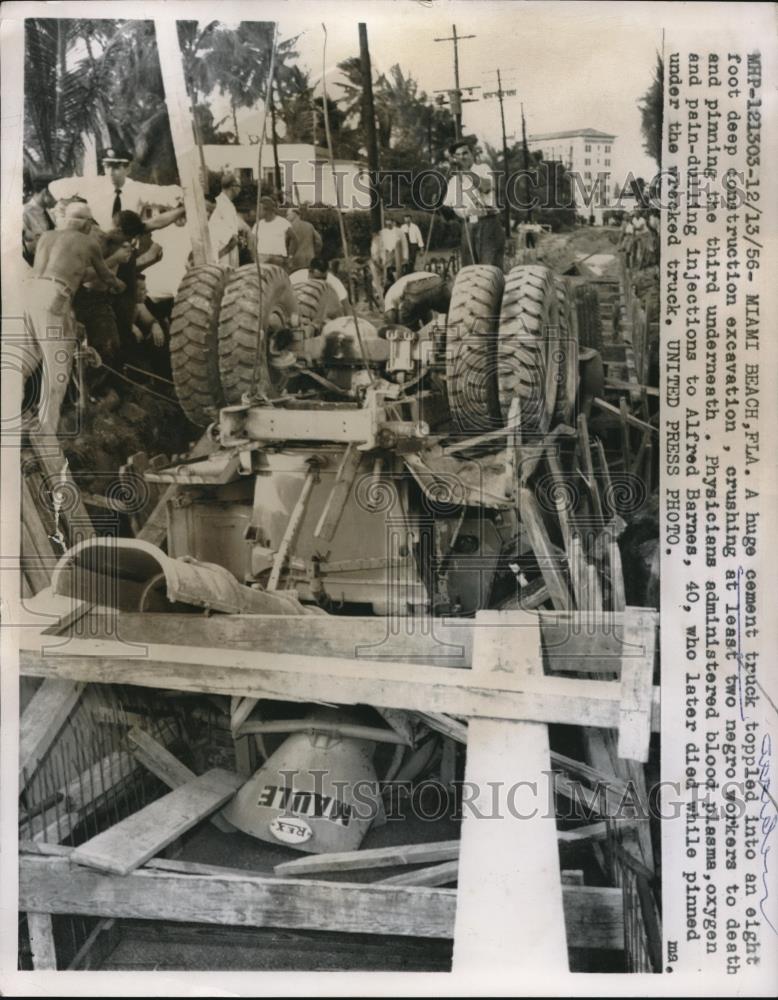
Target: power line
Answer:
pixel 455 96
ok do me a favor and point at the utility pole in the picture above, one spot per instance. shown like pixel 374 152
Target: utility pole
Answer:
pixel 501 94
pixel 368 121
pixel 455 96
pixel 525 159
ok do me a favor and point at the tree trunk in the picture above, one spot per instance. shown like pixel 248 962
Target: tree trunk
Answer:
pixel 235 119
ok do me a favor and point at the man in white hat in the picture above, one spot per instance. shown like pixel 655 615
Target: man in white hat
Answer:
pixel 114 191
pixel 63 258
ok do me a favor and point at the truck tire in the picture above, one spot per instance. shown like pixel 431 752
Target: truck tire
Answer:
pixel 567 387
pixel 471 329
pixel 528 361
pixel 316 303
pixel 247 326
pixel 587 305
pixel 194 335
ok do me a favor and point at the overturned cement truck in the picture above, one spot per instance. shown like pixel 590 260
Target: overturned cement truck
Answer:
pixel 385 467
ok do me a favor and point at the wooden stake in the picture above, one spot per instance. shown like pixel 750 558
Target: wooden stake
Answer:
pixel 181 118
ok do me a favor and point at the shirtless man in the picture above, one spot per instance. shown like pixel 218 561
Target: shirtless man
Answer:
pixel 62 259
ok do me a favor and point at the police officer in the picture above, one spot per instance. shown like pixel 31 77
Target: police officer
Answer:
pixel 114 191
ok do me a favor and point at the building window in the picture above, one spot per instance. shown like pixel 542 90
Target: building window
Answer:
pixel 588 175
pixel 588 147
pixel 607 163
pixel 246 175
pixel 587 162
pixel 607 149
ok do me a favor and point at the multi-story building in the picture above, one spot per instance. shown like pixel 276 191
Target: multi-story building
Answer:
pixel 588 155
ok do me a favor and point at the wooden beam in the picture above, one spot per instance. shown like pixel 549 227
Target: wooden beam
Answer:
pixel 51 884
pixel 564 700
pixel 250 902
pixel 378 857
pixel 510 912
pixel 168 768
pixel 636 685
pixel 181 118
pixel 443 874
pixel 444 642
pixel 44 956
pixel 42 720
pixel 126 845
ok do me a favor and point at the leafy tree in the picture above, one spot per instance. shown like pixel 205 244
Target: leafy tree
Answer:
pixel 650 106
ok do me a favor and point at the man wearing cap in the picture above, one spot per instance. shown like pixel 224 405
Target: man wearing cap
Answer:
pixel 64 257
pixel 471 194
pixel 272 238
pixel 224 223
pixel 115 191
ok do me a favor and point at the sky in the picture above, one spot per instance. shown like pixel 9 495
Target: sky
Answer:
pixel 573 65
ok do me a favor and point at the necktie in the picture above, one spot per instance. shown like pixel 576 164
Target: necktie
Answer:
pixel 117 202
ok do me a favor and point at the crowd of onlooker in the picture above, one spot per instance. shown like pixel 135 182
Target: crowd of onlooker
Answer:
pixel 107 253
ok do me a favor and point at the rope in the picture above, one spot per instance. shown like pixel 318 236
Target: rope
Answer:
pixel 268 97
pixel 138 385
pixel 341 224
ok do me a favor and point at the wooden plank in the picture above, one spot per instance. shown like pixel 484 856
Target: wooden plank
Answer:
pixel 630 419
pixel 548 557
pixel 252 902
pixel 442 642
pixel 507 863
pixel 129 843
pixel 44 956
pixel 564 700
pixel 42 720
pixel 181 116
pixel 593 915
pixel 168 768
pixel 443 874
pixel 637 686
pixel 377 857
pixel 445 725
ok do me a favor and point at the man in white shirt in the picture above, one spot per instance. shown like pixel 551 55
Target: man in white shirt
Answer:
pixel 415 241
pixel 114 191
pixel 471 195
pixel 272 238
pixel 224 223
pixel 394 252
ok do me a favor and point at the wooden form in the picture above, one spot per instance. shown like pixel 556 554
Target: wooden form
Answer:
pixel 411 686
pixel 54 884
pixel 503 692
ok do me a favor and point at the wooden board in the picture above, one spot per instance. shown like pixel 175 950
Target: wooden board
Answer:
pixel 125 846
pixel 568 701
pixel 443 874
pixel 168 768
pixel 637 684
pixel 50 884
pixel 440 641
pixel 42 720
pixel 44 956
pixel 379 857
pixel 510 913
